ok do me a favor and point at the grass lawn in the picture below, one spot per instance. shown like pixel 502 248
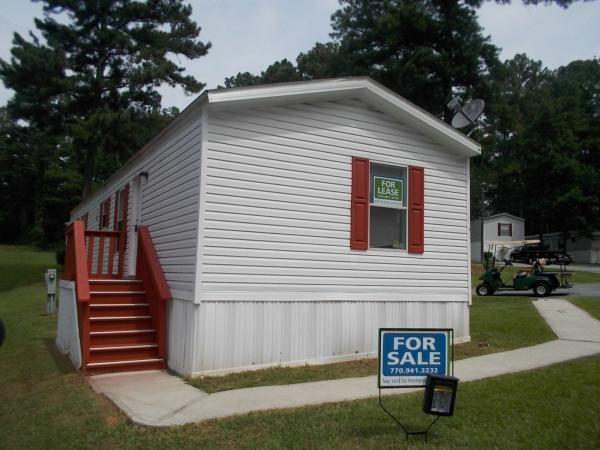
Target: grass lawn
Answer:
pixel 45 404
pixel 589 304
pixel 22 266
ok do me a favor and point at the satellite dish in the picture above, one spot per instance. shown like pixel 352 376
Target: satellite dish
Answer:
pixel 466 115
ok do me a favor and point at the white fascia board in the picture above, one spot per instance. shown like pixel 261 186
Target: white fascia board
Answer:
pixel 298 91
pixel 504 215
pixel 364 89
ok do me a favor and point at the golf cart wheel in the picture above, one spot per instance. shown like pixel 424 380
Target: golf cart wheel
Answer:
pixel 541 289
pixel 530 261
pixel 483 290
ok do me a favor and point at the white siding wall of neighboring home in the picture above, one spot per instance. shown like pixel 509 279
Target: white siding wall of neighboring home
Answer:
pixel 490 229
pixel 277 208
pixel 245 335
pixel 170 200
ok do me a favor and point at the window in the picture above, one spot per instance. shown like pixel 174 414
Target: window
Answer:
pixel 105 214
pixel 387 206
pixel 120 219
pixel 505 229
pixel 120 210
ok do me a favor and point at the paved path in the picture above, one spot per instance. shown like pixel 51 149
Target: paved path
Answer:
pixel 156 398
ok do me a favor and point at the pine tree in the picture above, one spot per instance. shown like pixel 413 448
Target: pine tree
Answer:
pixel 91 79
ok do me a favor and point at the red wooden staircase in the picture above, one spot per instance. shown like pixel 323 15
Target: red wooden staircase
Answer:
pixel 121 321
pixel 122 335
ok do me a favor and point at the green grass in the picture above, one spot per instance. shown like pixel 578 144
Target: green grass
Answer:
pixel 589 304
pixel 21 266
pixel 497 324
pixel 44 404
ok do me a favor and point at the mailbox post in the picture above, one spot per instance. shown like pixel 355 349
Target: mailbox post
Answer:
pixel 50 291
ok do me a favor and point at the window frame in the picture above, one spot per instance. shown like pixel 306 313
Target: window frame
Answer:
pixel 403 208
pixel 509 230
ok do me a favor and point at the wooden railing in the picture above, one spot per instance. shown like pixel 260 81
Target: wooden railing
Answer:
pixel 98 259
pixel 157 291
pixel 76 270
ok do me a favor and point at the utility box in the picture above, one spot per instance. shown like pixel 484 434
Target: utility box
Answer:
pixel 50 277
pixel 440 395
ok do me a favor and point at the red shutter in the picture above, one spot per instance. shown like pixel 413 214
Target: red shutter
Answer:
pixel 510 229
pixel 359 214
pixel 416 209
pixel 499 230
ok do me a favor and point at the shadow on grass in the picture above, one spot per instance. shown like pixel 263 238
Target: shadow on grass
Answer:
pixel 61 362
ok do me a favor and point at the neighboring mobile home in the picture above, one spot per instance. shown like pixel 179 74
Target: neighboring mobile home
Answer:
pixel 291 221
pixel 499 227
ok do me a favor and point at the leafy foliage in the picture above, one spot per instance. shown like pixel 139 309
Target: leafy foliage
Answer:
pixel 85 95
pixel 543 140
pixel 423 49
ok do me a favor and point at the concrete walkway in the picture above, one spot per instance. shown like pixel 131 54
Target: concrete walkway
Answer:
pixel 156 398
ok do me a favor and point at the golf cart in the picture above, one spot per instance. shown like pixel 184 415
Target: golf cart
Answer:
pixel 534 278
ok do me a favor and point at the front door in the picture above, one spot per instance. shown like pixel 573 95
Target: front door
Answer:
pixel 135 197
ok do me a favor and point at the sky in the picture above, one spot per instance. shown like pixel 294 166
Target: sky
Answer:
pixel 248 35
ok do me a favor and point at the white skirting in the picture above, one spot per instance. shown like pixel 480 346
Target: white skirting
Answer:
pixel 228 336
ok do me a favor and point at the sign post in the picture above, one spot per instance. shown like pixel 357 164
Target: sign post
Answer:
pixel 411 358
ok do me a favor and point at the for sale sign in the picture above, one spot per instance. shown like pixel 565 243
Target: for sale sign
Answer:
pixel 388 192
pixel 406 356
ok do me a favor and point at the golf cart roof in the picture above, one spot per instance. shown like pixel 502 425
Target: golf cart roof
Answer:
pixel 527 241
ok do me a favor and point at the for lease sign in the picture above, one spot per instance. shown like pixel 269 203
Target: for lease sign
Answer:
pixel 406 356
pixel 388 191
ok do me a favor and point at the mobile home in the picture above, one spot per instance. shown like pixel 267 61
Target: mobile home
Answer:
pixel 277 224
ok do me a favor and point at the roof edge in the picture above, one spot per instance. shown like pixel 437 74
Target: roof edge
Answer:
pixel 363 88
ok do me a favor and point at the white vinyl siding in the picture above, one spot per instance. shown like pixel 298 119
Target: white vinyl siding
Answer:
pixel 277 206
pixel 170 199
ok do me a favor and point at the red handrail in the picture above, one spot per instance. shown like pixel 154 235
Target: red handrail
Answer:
pixel 76 270
pixel 76 261
pixel 155 285
pixel 116 242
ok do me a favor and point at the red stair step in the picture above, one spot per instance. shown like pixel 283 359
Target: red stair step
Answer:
pixel 117 296
pixel 122 337
pixel 118 309
pixel 106 353
pixel 115 285
pixel 115 323
pixel 125 366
